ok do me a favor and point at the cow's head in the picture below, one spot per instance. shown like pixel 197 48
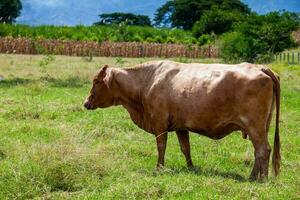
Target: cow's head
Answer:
pixel 101 95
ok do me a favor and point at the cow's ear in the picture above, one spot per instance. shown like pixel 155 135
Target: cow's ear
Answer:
pixel 107 76
pixel 104 68
pixel 102 71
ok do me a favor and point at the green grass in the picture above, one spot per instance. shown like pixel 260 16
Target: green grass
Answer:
pixel 51 148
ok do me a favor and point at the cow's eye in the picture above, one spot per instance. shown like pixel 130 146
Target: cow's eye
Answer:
pixel 96 82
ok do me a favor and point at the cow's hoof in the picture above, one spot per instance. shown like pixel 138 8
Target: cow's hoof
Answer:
pixel 194 169
pixel 160 167
pixel 191 167
pixel 258 179
pixel 257 176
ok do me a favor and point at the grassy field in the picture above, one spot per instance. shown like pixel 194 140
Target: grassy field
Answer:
pixel 51 148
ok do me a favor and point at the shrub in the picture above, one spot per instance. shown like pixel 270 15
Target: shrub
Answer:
pixel 170 40
pixel 150 40
pixel 206 39
pixel 137 38
pixel 235 47
pixel 158 39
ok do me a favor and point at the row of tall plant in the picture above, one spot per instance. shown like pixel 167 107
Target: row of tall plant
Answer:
pixel 113 33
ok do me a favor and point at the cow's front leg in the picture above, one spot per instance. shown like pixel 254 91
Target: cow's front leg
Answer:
pixel 161 140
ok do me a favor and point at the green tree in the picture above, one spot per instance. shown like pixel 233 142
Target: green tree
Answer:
pixel 163 14
pixel 217 21
pixel 9 10
pixel 258 37
pixel 184 13
pixel 128 18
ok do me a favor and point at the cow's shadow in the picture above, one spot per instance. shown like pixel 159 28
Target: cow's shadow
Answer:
pixel 209 172
pixel 213 172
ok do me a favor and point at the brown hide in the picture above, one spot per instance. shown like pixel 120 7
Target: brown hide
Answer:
pixel 209 99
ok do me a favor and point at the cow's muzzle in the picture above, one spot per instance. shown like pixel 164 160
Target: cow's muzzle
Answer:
pixel 87 105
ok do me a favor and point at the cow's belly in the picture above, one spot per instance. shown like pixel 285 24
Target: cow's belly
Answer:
pixel 212 125
pixel 214 131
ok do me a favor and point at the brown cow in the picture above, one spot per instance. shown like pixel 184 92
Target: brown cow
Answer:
pixel 209 99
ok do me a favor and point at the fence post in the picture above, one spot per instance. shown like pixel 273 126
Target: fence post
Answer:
pixel 280 55
pixel 293 59
pixel 288 58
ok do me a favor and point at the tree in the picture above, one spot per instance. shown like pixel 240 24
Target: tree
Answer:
pixel 128 18
pixel 258 37
pixel 9 10
pixel 163 14
pixel 217 21
pixel 184 13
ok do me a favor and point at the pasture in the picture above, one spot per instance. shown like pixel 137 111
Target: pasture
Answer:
pixel 52 148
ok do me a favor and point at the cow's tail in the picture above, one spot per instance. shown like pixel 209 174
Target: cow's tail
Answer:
pixel 276 152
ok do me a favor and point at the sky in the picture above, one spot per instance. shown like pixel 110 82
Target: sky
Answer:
pixel 85 12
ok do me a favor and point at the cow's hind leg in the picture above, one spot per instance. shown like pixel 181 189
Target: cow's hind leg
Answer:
pixel 161 141
pixel 184 141
pixel 262 151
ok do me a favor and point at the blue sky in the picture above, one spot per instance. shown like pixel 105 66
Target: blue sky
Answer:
pixel 265 6
pixel 73 12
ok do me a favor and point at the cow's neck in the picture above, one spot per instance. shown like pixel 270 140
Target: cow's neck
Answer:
pixel 128 87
